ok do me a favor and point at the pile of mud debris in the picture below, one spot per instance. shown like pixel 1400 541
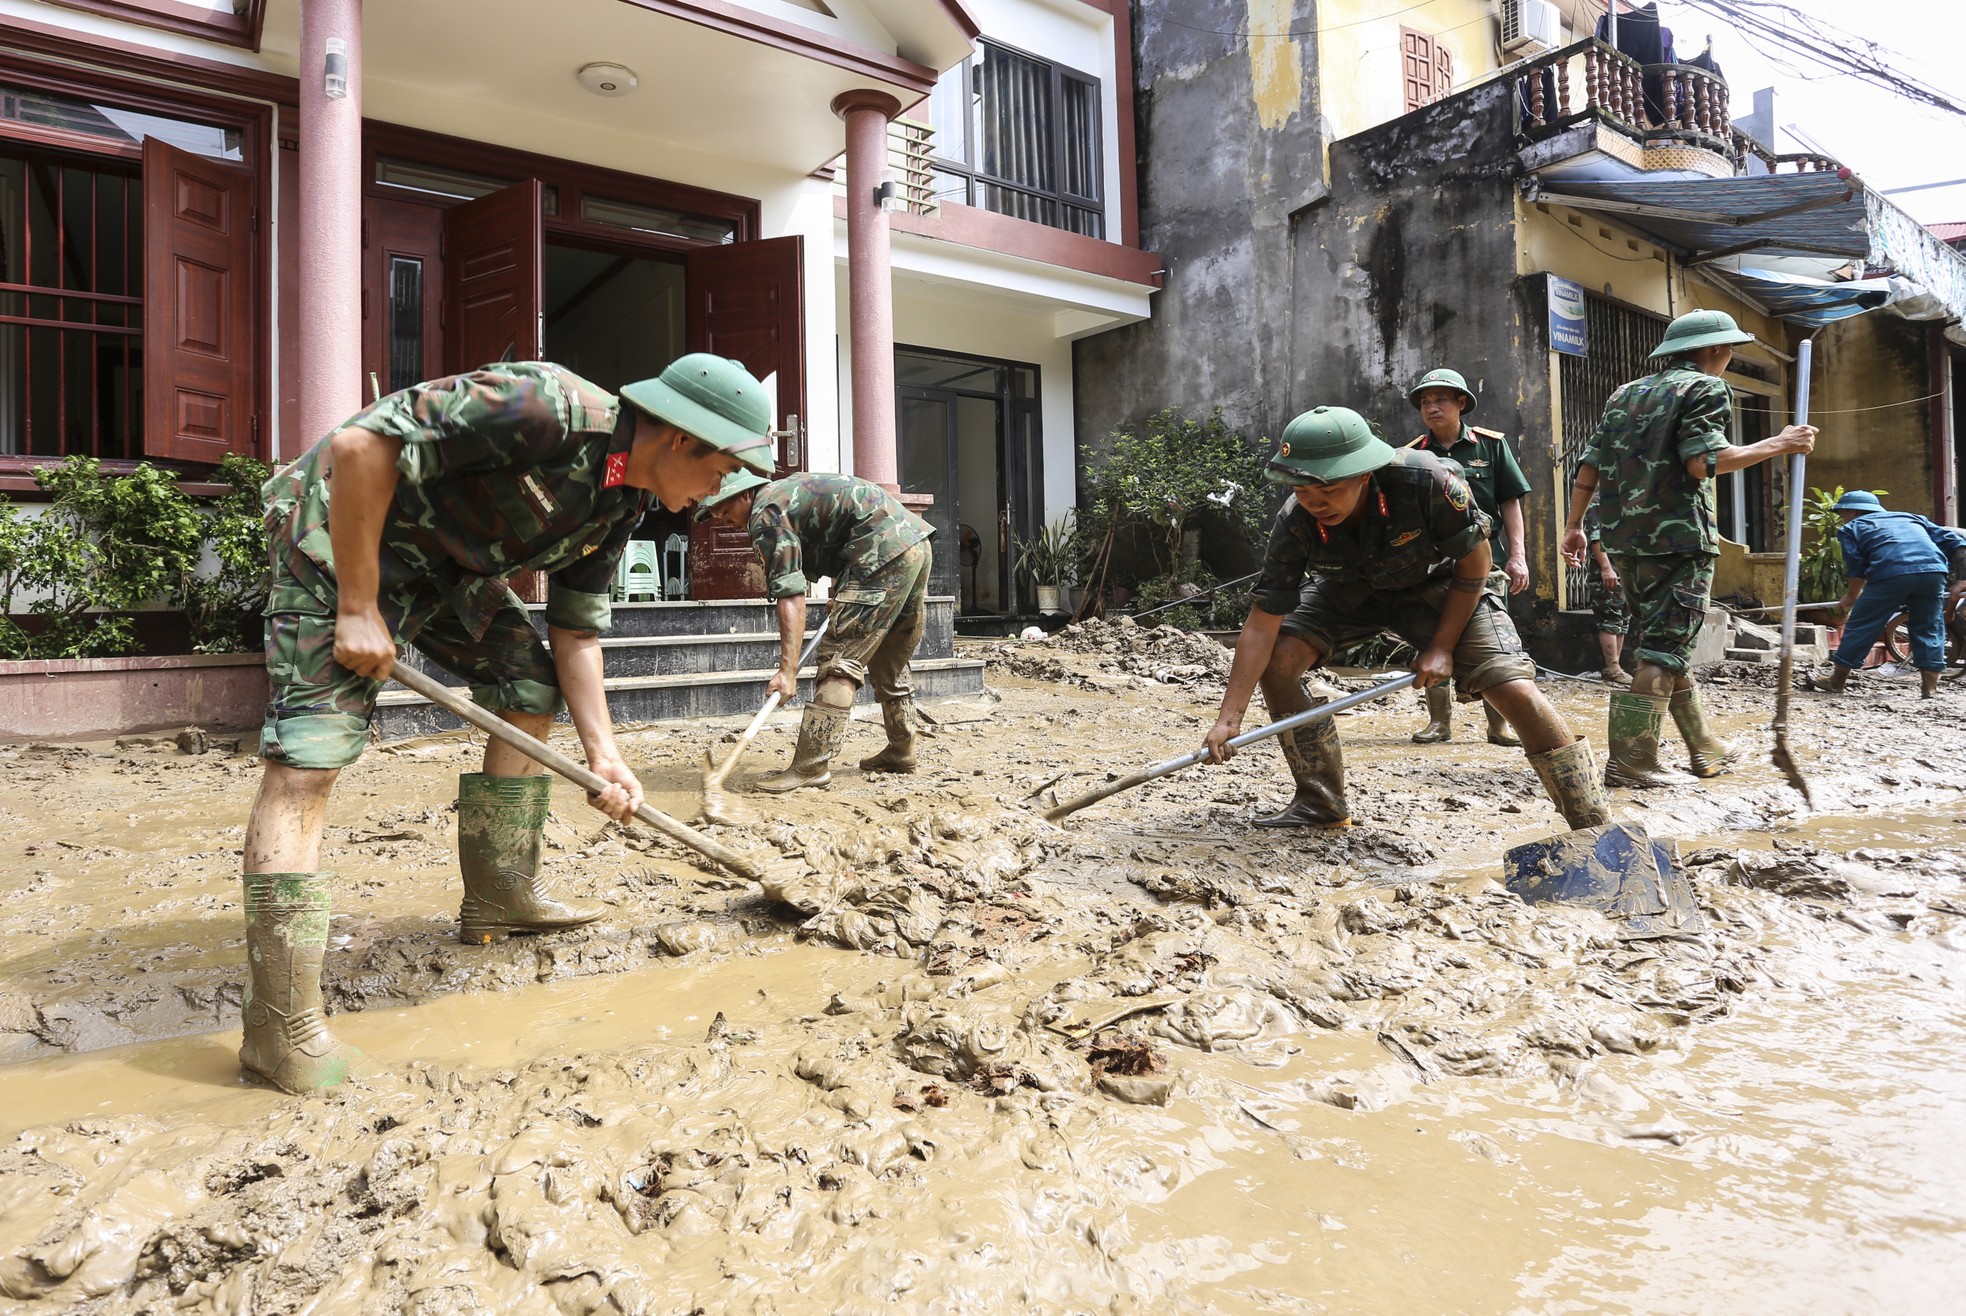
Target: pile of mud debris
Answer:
pixel 1095 654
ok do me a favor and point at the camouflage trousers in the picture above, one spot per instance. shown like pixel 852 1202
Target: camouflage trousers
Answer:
pixel 1332 616
pixel 877 624
pixel 1608 607
pixel 1669 596
pixel 318 711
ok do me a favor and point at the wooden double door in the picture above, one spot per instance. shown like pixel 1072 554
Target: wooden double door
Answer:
pixel 479 269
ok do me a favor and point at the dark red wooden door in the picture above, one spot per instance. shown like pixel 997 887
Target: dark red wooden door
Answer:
pixel 747 302
pixel 199 383
pixel 492 262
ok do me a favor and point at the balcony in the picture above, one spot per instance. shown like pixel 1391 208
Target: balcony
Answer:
pixel 1587 103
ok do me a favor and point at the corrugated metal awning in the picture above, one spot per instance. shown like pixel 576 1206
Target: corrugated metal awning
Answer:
pixel 1817 302
pixel 1703 219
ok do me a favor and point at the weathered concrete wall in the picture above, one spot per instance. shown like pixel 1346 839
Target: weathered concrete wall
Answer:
pixel 1412 265
pixel 1228 143
pixel 1868 370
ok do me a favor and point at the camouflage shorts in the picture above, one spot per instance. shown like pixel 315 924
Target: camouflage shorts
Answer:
pixel 1333 616
pixel 318 711
pixel 1668 596
pixel 1608 607
pixel 877 625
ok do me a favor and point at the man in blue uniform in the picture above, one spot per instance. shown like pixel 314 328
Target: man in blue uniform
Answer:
pixel 1895 562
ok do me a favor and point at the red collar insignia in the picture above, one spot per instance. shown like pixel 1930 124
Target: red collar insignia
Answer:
pixel 617 470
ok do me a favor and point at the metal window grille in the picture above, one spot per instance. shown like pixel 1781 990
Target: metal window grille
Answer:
pixel 71 306
pixel 1021 136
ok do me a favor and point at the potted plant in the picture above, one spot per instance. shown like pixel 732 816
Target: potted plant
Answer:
pixel 1048 562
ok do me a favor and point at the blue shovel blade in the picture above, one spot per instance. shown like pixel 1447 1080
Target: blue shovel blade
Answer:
pixel 1615 869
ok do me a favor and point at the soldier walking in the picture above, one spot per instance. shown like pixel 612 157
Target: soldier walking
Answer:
pixel 1651 464
pixel 810 525
pixel 1483 459
pixel 1609 612
pixel 402 527
pixel 1392 543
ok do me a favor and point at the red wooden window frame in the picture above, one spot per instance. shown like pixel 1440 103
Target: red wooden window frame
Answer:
pixel 1426 68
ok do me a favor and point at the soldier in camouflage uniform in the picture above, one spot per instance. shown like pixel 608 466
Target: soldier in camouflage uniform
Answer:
pixel 1651 464
pixel 402 527
pixel 1609 612
pixel 1483 459
pixel 810 525
pixel 1392 543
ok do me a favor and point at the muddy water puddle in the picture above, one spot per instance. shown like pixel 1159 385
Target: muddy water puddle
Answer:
pixel 1152 1061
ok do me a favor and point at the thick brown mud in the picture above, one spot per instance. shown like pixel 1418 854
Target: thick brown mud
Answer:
pixel 1153 1059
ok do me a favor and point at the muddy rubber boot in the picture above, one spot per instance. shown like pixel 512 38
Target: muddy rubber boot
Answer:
pixel 1614 675
pixel 1928 684
pixel 286 1039
pixel 1499 730
pixel 500 822
pixel 1634 733
pixel 820 732
pixel 1317 765
pixel 1710 755
pixel 1440 717
pixel 1570 778
pixel 1834 683
pixel 899 756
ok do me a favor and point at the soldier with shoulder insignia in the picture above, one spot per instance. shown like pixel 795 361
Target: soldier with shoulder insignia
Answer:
pixel 816 524
pixel 401 527
pixel 1483 459
pixel 1651 464
pixel 1391 542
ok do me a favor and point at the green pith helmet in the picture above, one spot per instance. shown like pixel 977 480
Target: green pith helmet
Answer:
pixel 735 483
pixel 1697 329
pixel 714 399
pixel 1443 378
pixel 1325 444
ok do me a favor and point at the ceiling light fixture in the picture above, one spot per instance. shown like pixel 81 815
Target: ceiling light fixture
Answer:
pixel 607 79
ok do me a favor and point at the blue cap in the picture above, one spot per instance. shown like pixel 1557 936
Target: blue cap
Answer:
pixel 1859 500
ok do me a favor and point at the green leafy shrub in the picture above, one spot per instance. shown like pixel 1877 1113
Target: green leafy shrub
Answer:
pixel 1822 575
pixel 1051 556
pixel 1159 480
pixel 109 543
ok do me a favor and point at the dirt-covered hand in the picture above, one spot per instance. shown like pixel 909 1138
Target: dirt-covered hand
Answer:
pixel 624 793
pixel 1433 666
pixel 784 684
pixel 1216 742
pixel 362 643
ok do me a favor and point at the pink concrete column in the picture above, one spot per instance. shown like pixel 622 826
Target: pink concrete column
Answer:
pixel 870 285
pixel 330 275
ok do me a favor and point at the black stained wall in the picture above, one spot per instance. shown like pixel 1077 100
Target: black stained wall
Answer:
pixel 1410 265
pixel 1228 147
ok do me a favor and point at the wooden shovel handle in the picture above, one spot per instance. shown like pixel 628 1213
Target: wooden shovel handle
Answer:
pixel 578 773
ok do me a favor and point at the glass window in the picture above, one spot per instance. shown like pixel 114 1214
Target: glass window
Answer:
pixel 653 219
pixel 46 109
pixel 1020 136
pixel 405 322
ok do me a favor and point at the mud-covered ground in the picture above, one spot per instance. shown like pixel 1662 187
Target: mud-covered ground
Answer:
pixel 1154 1059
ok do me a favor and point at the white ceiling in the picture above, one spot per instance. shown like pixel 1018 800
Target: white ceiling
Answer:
pixel 712 92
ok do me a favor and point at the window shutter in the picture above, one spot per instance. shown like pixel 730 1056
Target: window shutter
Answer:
pixel 1416 67
pixel 1443 72
pixel 200 348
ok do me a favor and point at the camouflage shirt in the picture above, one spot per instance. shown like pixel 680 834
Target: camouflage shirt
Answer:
pixel 1419 519
pixel 1650 506
pixel 515 467
pixel 810 525
pixel 1486 463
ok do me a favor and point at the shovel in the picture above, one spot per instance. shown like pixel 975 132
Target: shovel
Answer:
pixel 1791 582
pixel 716 806
pixel 1059 812
pixel 499 729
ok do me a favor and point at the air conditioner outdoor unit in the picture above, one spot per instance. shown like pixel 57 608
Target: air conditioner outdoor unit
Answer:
pixel 1530 27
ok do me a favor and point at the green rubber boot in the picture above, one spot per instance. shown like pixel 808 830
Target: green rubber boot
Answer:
pixel 1317 765
pixel 286 1039
pixel 500 823
pixel 1499 730
pixel 1440 717
pixel 1634 732
pixel 899 756
pixel 1710 755
pixel 820 732
pixel 1571 780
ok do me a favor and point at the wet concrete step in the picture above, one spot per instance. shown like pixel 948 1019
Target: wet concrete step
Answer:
pixel 400 714
pixel 712 619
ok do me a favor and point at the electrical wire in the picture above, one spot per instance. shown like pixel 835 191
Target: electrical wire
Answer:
pixel 1882 406
pixel 1783 33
